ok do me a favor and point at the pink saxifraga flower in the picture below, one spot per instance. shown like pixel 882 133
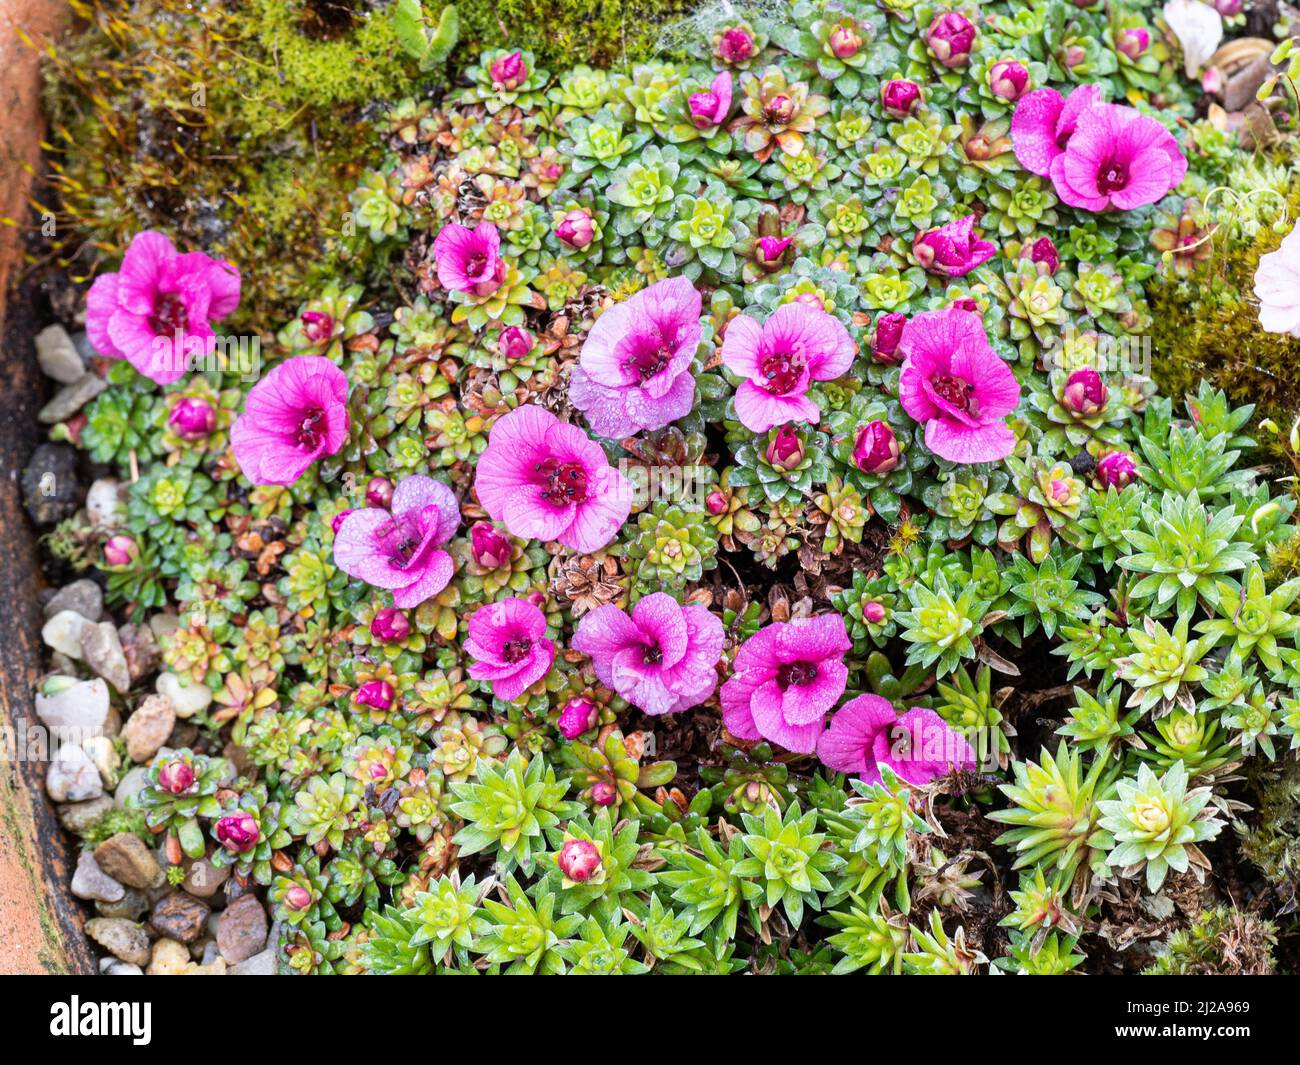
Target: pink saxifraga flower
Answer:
pixel 579 860
pixel 735 45
pixel 954 383
pixel 469 260
pixel 1008 79
pixel 295 415
pixel 901 98
pixel 660 658
pixel 546 480
pixel 950 39
pixel 1043 123
pixel 1277 287
pixel 156 310
pixel 709 108
pixel 954 249
pixel 634 369
pixel 887 334
pixel 508 71
pixel 918 746
pixel 780 358
pixel 1084 393
pixel 785 678
pixel 1117 158
pixel 390 625
pixel 237 832
pixel 192 418
pixel 876 448
pixel 578 716
pixel 399 548
pixel 508 643
pixel 1116 469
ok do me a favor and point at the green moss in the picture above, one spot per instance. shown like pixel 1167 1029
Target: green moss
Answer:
pixel 1206 326
pixel 1223 941
pixel 232 126
pixel 1272 843
pixel 113 822
pixel 561 33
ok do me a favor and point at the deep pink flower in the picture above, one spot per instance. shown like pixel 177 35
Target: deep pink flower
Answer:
pixel 389 625
pixel 874 612
pixel 176 777
pixel 400 548
pixel 469 260
pixel 918 746
pixel 715 502
pixel 709 108
pixel 784 680
pixel 661 658
pixel 1043 123
pixel 509 71
pixel 294 415
pixel 546 480
pixel 1117 157
pixel 192 418
pixel 954 249
pixel 1008 79
pixel 900 97
pixel 797 345
pixel 578 716
pixel 888 332
pixel 378 694
pixel 771 250
pixel 490 548
pixel 579 860
pixel 575 228
pixel 876 448
pixel 317 326
pixel 238 832
pixel 1044 251
pixel 1084 392
pixel 1116 469
pixel 950 39
pixel 514 342
pixel 508 643
pixel 634 371
pixel 156 311
pixel 955 384
pixel 735 45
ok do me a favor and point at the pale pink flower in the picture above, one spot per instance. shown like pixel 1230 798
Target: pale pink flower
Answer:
pixel 294 415
pixel 1043 123
pixel 508 643
pixel 156 311
pixel 634 370
pixel 1117 157
pixel 918 746
pixel 797 345
pixel 469 260
pixel 661 658
pixel 399 548
pixel 785 678
pixel 1277 287
pixel 546 480
pixel 954 383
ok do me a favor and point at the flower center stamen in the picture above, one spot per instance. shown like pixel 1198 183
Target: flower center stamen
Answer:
pixel 781 371
pixel 953 390
pixel 796 674
pixel 516 650
pixel 1112 178
pixel 565 482
pixel 309 430
pixel 169 315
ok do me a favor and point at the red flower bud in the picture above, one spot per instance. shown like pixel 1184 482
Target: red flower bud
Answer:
pixel 845 41
pixel 889 331
pixel 297 898
pixel 575 229
pixel 716 503
pixel 901 98
pixel 509 71
pixel 1116 469
pixel 735 45
pixel 514 342
pixel 950 39
pixel 874 612
pixel 1084 393
pixel 1008 79
pixel 603 793
pixel 317 326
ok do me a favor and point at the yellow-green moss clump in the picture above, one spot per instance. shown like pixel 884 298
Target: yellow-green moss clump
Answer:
pixel 561 33
pixel 235 126
pixel 1206 325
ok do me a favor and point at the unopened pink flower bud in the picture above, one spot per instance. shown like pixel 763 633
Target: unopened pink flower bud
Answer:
pixel 785 449
pixel 578 716
pixel 603 793
pixel 390 625
pixel 900 97
pixel 950 39
pixel 579 860
pixel 514 342
pixel 379 492
pixel 120 550
pixel 889 331
pixel 715 502
pixel 874 612
pixel 297 898
pixel 1132 42
pixel 1044 251
pixel 509 71
pixel 845 41
pixel 192 418
pixel 1074 56
pixel 704 109
pixel 779 109
pixel 1059 490
pixel 771 250
pixel 876 449
pixel 377 694
pixel 1116 469
pixel 1228 8
pixel 238 832
pixel 489 546
pixel 735 45
pixel 176 777
pixel 1008 79
pixel 1212 80
pixel 317 326
pixel 1084 393
pixel 575 229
